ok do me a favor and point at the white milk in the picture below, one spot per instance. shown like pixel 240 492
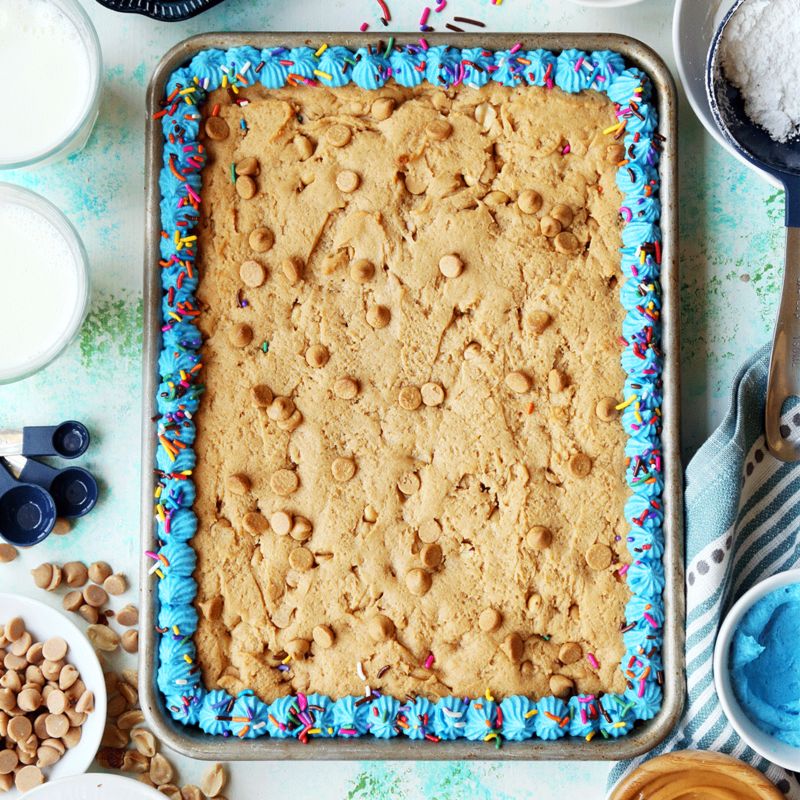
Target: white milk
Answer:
pixel 46 78
pixel 39 286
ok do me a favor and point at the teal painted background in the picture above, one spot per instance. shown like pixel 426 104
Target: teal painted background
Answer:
pixel 731 255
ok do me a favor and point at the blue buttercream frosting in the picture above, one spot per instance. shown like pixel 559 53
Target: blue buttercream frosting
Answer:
pixel 620 717
pixel 509 70
pixel 573 71
pixel 250 716
pixel 450 718
pixel 583 716
pixel 420 718
pixel 408 65
pixel 275 70
pixel 371 70
pixel 481 719
pixel 477 61
pixel 279 713
pixel 518 717
pixel 335 62
pixel 444 65
pixel 382 718
pixel 549 720
pixel 542 67
pixel 347 715
pixel 646 700
pixel 217 703
pixel 320 709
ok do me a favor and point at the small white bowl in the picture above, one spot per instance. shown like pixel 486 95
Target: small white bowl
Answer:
pixel 780 753
pixel 606 3
pixel 95 786
pixel 43 622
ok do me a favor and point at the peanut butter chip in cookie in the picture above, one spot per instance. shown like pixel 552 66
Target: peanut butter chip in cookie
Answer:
pixel 431 555
pixel 451 266
pixel 301 559
pixel 284 482
pixel 490 620
pixel 378 316
pixel 304 147
pixel 348 181
pixel 246 187
pixel 383 108
pixel 380 628
pixel 563 214
pixel 252 274
pixel 513 647
pixel 429 531
pixel 557 380
pixel 238 484
pixel 240 335
pixel 418 582
pixel 432 394
pixel 408 483
pixel 606 409
pixel 529 201
pixel 281 523
pixel 598 556
pixel 409 398
pixel 615 153
pixel 580 465
pixel 539 537
pixel 550 227
pixel 539 320
pixel 317 356
pixel 567 243
pixel 339 135
pixel 255 523
pixel 561 686
pixel 570 652
pixel 281 408
pixel 261 240
pixel 346 388
pixel 323 636
pixel 261 395
pixel 248 166
pixel 439 130
pixel 292 270
pixel 343 469
pixel 518 382
pixel 362 271
pixel 217 129
pixel 301 529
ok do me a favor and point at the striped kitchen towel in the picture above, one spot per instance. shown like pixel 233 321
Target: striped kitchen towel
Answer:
pixel 742 523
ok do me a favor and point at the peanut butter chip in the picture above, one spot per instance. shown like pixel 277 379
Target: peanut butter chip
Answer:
pixel 432 394
pixel 339 135
pixel 248 166
pixel 615 153
pixel 301 559
pixel 14 629
pixel 292 270
pixel 99 571
pixel 217 129
pixel 346 388
pixel 317 356
pixel 567 243
pixel 378 316
pixel 362 271
pixel 439 130
pixel 561 685
pixel 324 636
pixel 8 761
pixel 301 529
pixel 238 484
pixel 252 274
pixel 56 702
pixel 128 615
pixel 409 398
pixel 529 201
pixel 116 584
pixel 539 537
pixel 55 648
pixel 513 647
pixel 7 553
pixel 580 465
pixel 429 531
pixel 451 266
pixel 284 482
pixel 418 582
pixel 534 604
pixel 348 181
pixel 30 776
pixel 298 648
pixel 570 652
pixel 557 380
pixel 62 526
pixel 281 523
pixel 606 409
pixel 261 240
pixel 409 483
pixel 490 620
pixel 343 469
pixel 56 725
pixel 304 147
pixel 281 408
pixel 255 523
pixel 563 214
pixel 261 395
pixel 431 555
pixel 75 573
pixel 380 628
pixel 598 556
pixel 246 187
pixel 518 382
pixel 550 227
pixel 130 641
pixel 19 729
pixel 539 320
pixel 383 108
pixel 240 335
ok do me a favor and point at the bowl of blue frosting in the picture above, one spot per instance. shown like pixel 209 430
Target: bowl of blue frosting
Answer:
pixel 757 668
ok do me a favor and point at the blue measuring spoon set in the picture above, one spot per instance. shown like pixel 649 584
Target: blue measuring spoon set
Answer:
pixel 33 494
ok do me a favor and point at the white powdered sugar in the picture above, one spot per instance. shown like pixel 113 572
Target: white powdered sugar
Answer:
pixel 761 57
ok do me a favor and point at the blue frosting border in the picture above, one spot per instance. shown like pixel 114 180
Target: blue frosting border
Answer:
pixel 309 716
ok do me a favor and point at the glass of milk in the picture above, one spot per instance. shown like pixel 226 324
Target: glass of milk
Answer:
pixel 44 280
pixel 51 62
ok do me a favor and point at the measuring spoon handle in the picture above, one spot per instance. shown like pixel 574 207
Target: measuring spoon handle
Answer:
pixel 783 382
pixel 70 439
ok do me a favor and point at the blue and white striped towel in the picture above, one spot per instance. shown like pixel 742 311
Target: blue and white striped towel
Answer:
pixel 742 524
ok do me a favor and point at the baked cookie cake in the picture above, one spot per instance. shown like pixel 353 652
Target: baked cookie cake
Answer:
pixel 410 470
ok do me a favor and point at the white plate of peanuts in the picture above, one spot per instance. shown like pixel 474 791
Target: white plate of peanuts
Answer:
pixel 95 786
pixel 52 696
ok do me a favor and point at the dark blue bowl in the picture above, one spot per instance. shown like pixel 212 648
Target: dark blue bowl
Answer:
pixel 164 10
